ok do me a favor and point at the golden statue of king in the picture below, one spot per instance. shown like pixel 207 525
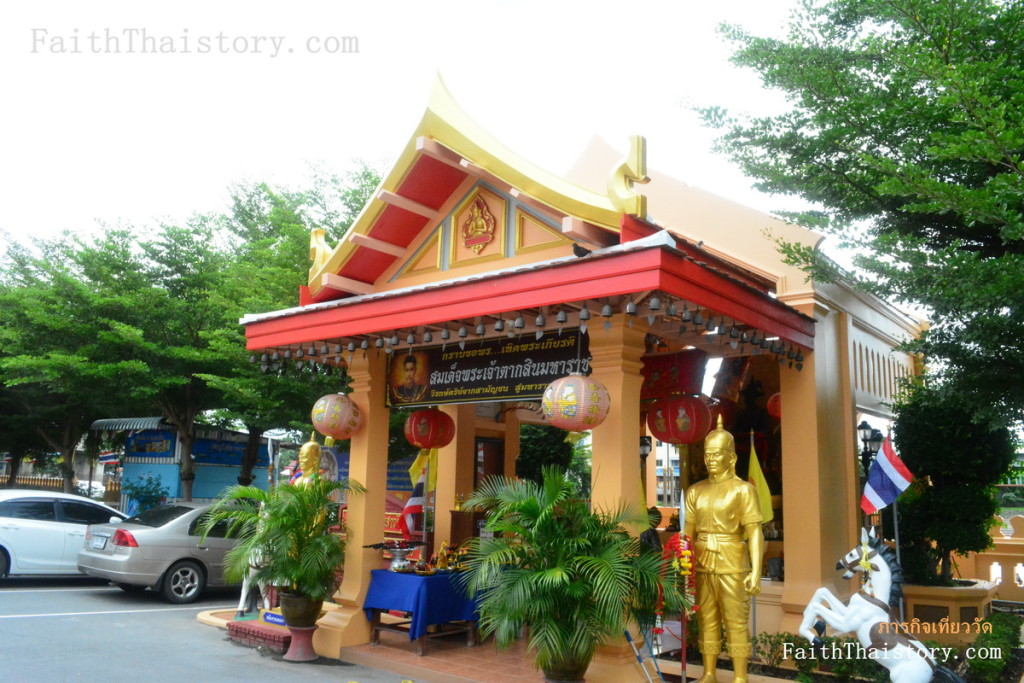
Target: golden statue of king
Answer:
pixel 723 518
pixel 309 460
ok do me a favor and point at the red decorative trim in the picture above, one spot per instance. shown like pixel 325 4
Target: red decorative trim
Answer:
pixel 592 278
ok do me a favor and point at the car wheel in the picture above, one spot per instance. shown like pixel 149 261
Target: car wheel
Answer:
pixel 183 582
pixel 130 587
pixel 5 563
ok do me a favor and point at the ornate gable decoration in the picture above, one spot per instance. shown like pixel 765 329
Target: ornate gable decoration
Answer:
pixel 478 227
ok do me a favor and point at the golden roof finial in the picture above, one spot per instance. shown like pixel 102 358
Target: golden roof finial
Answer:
pixel 633 169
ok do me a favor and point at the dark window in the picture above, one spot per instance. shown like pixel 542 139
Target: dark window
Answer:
pixel 39 510
pixel 159 516
pixel 218 530
pixel 83 513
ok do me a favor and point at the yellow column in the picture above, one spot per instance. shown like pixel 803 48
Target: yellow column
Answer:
pixel 819 481
pixel 455 464
pixel 615 448
pixel 368 464
pixel 616 360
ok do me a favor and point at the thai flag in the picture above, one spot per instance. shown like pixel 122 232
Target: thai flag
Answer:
pixel 412 506
pixel 887 479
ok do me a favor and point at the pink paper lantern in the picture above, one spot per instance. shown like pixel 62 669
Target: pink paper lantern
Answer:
pixel 576 403
pixel 337 416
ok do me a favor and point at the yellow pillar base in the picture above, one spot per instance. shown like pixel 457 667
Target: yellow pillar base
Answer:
pixel 615 662
pixel 342 626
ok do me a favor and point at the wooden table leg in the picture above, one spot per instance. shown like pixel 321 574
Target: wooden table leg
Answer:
pixel 375 627
pixel 421 645
pixel 472 637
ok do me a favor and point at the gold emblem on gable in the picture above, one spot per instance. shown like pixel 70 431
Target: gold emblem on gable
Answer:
pixel 479 226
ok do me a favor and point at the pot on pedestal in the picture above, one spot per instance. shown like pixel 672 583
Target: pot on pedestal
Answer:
pixel 300 614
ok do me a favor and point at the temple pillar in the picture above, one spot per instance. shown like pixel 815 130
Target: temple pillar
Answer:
pixel 455 463
pixel 615 476
pixel 819 477
pixel 346 624
pixel 616 355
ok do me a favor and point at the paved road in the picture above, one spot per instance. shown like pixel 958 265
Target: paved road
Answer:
pixel 81 629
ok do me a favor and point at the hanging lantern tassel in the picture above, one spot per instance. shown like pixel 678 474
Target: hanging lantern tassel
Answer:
pixel 574 437
pixel 576 403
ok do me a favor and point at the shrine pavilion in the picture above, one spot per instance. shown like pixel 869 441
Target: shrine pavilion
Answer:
pixel 473 278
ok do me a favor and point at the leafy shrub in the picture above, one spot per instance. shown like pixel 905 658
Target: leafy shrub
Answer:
pixel 147 491
pixel 1005 636
pixel 768 647
pixel 805 657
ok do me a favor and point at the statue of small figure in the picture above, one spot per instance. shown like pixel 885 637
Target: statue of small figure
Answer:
pixel 724 520
pixel 309 461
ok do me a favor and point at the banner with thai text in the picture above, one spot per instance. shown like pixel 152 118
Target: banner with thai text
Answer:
pixel 512 369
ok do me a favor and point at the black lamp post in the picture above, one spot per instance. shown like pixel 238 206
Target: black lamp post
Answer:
pixel 645 448
pixel 872 440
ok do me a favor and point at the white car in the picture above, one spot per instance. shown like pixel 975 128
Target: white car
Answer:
pixel 41 532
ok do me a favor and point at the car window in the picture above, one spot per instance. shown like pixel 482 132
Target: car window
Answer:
pixel 39 510
pixel 159 516
pixel 83 513
pixel 218 530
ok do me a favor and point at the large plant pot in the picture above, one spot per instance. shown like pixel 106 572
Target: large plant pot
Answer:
pixel 300 614
pixel 960 606
pixel 566 672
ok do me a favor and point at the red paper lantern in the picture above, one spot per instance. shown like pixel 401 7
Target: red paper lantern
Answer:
pixel 576 403
pixel 775 405
pixel 337 416
pixel 679 419
pixel 429 428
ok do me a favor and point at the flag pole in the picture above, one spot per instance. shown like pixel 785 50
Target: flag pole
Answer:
pixel 753 598
pixel 896 528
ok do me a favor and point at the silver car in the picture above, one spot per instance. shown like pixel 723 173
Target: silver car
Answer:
pixel 161 549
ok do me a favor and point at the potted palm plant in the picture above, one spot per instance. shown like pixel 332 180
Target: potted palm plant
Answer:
pixel 575 577
pixel 287 531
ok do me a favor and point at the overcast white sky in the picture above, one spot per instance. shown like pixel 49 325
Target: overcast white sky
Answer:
pixel 97 123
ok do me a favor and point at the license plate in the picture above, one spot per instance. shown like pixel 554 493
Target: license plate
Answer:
pixel 99 542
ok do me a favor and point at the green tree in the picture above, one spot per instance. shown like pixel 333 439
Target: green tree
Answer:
pixel 541 446
pixel 55 330
pixel 957 464
pixel 905 130
pixel 270 228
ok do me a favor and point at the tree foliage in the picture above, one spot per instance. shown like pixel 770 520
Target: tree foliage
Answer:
pixel 905 130
pixel 98 328
pixel 541 446
pixel 956 463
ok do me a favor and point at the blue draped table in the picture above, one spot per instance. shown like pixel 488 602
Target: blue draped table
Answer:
pixel 432 600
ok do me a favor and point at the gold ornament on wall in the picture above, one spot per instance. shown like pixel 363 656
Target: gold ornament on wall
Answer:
pixel 478 228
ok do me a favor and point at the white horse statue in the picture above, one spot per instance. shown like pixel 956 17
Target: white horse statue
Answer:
pixel 869 617
pixel 255 595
